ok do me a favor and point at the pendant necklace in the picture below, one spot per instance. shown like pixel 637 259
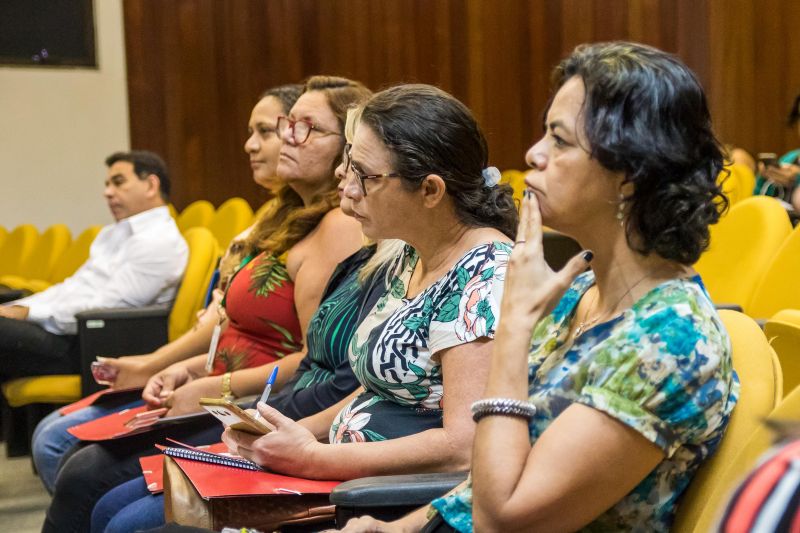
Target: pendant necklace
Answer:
pixel 586 323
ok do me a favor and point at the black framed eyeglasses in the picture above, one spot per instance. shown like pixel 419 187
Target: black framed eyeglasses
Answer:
pixel 360 176
pixel 301 129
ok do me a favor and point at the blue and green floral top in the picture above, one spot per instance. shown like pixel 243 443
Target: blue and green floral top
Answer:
pixel 393 351
pixel 662 367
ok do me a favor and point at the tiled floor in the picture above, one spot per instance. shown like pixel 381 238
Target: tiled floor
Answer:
pixel 23 500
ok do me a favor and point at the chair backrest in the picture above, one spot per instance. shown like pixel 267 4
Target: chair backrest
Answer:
pixel 197 214
pixel 745 460
pixel 3 235
pixel 232 218
pixel 778 287
pixel 742 244
pixel 761 389
pixel 515 178
pixel 737 182
pixel 783 332
pixel 16 248
pixel 49 248
pixel 203 256
pixel 74 256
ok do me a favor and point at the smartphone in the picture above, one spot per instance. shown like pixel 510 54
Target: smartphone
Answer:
pixel 769 159
pixel 103 373
pixel 234 416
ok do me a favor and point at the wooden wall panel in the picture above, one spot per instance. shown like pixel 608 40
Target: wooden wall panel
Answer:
pixel 195 67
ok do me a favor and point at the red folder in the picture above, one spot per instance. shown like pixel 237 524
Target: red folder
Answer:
pixel 216 481
pixel 92 399
pixel 108 427
pixel 153 471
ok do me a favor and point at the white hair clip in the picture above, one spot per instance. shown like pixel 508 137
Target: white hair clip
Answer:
pixel 491 176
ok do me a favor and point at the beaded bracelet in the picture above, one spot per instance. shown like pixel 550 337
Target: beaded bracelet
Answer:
pixel 502 407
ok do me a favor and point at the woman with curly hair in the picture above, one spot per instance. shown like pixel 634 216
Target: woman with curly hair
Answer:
pixel 608 387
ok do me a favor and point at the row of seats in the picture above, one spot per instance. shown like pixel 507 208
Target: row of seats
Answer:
pixel 753 259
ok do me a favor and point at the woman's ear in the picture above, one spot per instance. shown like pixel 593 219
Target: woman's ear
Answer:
pixel 433 190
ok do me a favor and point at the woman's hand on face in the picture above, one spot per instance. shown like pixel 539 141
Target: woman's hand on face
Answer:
pixel 287 449
pixel 185 399
pixel 532 288
pixel 785 175
pixel 159 388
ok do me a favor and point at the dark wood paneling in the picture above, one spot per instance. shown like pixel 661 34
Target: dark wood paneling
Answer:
pixel 195 67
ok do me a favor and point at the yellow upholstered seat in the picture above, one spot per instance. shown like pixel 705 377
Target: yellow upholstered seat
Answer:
pixel 778 287
pixel 203 256
pixel 737 182
pixel 761 389
pixel 742 244
pixel 172 211
pixel 42 389
pixel 18 245
pixel 230 220
pixel 42 260
pixel 744 461
pixel 196 214
pixel 3 235
pixel 783 332
pixel 516 179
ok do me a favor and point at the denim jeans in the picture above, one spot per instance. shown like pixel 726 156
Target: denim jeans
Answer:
pixel 51 442
pixel 127 508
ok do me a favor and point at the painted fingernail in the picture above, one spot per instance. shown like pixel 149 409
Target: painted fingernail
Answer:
pixel 588 256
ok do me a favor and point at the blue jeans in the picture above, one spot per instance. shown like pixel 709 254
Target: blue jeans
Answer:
pixel 128 507
pixel 51 441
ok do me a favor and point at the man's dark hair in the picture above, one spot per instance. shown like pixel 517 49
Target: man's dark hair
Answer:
pixel 144 164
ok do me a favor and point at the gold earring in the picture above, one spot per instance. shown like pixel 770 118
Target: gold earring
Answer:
pixel 621 210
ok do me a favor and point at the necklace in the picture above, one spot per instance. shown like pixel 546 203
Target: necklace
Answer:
pixel 587 323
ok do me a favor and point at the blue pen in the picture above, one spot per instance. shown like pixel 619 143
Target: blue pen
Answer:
pixel 267 390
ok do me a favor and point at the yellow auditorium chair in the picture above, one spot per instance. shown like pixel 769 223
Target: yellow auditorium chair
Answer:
pixel 761 380
pixel 41 262
pixel 112 332
pixel 737 182
pixel 740 465
pixel 197 214
pixel 3 235
pixel 172 211
pixel 18 245
pixel 779 287
pixel 516 179
pixel 232 218
pixel 742 244
pixel 760 375
pixel 783 332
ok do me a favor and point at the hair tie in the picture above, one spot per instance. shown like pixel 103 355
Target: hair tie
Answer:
pixel 491 176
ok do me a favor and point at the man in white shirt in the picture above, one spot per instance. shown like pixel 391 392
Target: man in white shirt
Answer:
pixel 137 261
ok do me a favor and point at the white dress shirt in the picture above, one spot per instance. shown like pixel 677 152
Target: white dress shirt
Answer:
pixel 136 262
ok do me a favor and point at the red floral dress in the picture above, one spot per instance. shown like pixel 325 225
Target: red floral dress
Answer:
pixel 262 318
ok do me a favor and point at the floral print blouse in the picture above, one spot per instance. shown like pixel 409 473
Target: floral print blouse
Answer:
pixel 392 352
pixel 662 367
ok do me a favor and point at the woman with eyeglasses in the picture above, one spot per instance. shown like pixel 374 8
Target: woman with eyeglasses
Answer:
pixel 608 388
pixel 416 171
pixel 287 259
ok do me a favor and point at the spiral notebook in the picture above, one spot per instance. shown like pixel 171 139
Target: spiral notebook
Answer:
pixel 196 454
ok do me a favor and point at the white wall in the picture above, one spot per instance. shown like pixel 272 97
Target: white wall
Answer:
pixel 56 128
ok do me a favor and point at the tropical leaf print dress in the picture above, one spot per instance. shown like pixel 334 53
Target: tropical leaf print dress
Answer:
pixel 392 351
pixel 262 319
pixel 662 367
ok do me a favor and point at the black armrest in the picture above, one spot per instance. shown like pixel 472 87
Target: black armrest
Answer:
pixel 390 497
pixel 728 307
pixel 117 332
pixel 9 295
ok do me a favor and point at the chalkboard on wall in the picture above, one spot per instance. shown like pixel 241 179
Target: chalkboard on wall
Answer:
pixel 47 33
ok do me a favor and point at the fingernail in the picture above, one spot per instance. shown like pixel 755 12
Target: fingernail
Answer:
pixel 588 256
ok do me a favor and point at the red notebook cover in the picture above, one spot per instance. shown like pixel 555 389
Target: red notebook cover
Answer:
pixel 217 481
pixel 93 398
pixel 108 427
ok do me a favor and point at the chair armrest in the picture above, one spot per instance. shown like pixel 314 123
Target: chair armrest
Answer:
pixel 118 332
pixel 9 295
pixel 729 307
pixel 372 495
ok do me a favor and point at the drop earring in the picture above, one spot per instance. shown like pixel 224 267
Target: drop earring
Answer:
pixel 621 210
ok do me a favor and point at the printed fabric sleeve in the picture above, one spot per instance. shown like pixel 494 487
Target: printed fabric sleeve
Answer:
pixel 470 308
pixel 667 377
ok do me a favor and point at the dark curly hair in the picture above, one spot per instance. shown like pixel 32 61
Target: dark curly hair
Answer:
pixel 428 131
pixel 646 116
